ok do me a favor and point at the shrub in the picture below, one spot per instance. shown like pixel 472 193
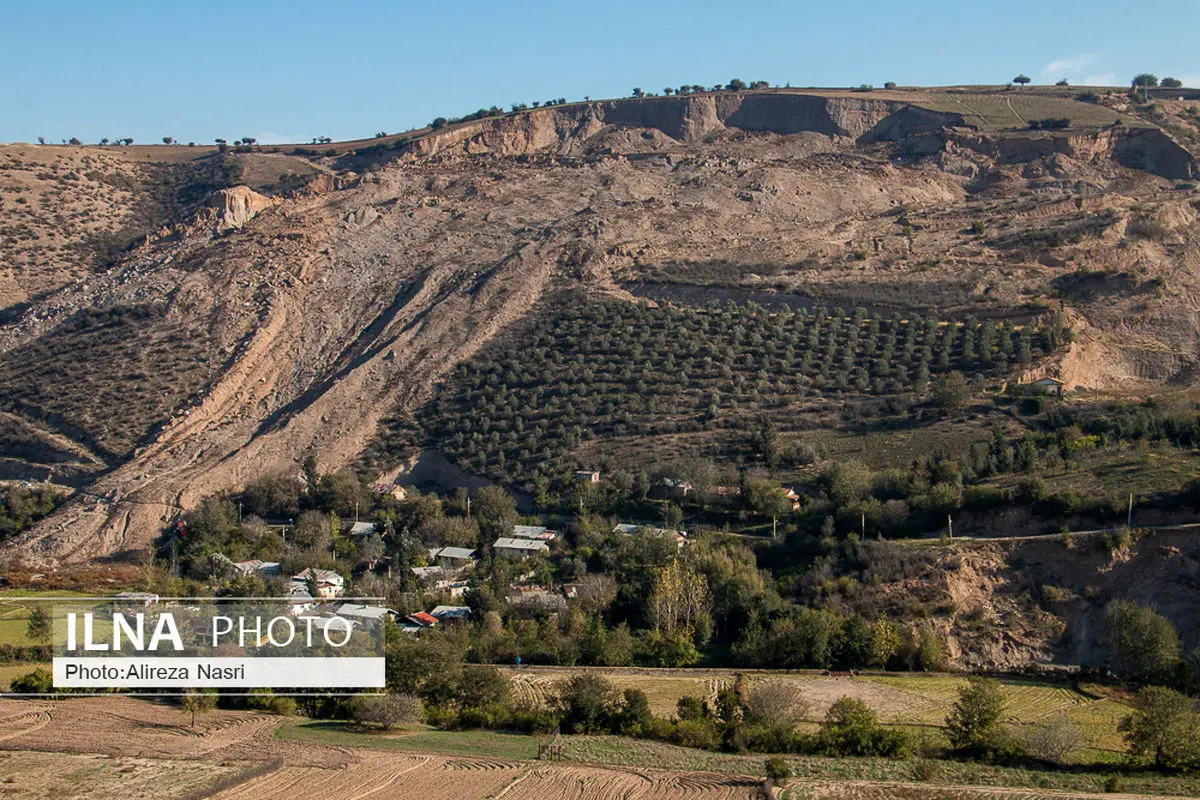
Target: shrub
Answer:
pixel 39 681
pixel 1143 644
pixel 777 771
pixel 1114 784
pixel 700 734
pixel 587 704
pixel 851 729
pixel 1054 740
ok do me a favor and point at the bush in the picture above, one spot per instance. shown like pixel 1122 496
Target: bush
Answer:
pixel 851 729
pixel 701 734
pixel 1164 729
pixel 1054 740
pixel 1114 784
pixel 39 681
pixel 387 710
pixel 777 771
pixel 587 704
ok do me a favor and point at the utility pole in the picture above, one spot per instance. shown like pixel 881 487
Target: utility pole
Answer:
pixel 1129 517
pixel 864 525
pixel 950 526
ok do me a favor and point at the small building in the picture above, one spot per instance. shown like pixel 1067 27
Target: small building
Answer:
pixel 422 619
pixel 519 548
pixel 535 599
pixel 299 600
pixel 132 599
pixel 792 497
pixel 394 489
pixel 672 487
pixel 368 616
pixel 1049 385
pixel 328 583
pixel 534 532
pixel 429 575
pixel 264 569
pixel 336 626
pixel 450 613
pixel 583 476
pixel 361 529
pixel 629 528
pixel 453 557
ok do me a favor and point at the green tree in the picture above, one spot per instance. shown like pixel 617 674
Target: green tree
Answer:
pixel 1144 80
pixel 198 702
pixel 495 511
pixel 1143 644
pixel 1022 79
pixel 951 392
pixel 768 442
pixel 1171 83
pixel 1164 729
pixel 38 628
pixel 588 704
pixel 973 724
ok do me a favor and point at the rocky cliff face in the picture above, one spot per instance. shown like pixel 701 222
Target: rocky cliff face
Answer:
pixel 686 119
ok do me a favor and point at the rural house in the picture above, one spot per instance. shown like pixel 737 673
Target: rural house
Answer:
pixel 519 548
pixel 263 569
pixel 1049 385
pixel 534 532
pixel 585 476
pixel 328 583
pixel 361 529
pixel 367 616
pixel 445 614
pixel 680 537
pixel 453 557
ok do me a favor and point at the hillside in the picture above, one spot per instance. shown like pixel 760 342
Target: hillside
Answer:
pixel 248 327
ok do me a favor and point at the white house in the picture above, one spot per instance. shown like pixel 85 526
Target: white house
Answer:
pixel 519 548
pixel 361 529
pixel 328 583
pixel 299 600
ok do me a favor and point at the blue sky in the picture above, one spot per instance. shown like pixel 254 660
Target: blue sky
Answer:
pixel 289 71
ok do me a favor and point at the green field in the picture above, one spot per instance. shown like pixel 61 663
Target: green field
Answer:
pixel 16 605
pixel 479 744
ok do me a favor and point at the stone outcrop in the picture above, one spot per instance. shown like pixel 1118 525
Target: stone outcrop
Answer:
pixel 230 209
pixel 686 119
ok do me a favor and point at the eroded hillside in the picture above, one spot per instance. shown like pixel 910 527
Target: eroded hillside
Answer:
pixel 271 327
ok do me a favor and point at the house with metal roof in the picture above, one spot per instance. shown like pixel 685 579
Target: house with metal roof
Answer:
pixel 510 547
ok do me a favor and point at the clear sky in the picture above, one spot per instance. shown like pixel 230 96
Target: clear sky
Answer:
pixel 289 71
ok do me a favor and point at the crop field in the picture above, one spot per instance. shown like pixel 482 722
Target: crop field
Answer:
pixel 609 370
pixel 53 776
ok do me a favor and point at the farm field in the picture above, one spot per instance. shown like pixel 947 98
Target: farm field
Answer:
pixel 51 776
pixel 10 671
pixel 14 617
pixel 920 701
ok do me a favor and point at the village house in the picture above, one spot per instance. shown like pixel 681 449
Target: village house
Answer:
pixel 133 599
pixel 680 537
pixel 519 548
pixel 422 619
pixel 671 487
pixel 536 532
pixel 367 616
pixel 263 569
pixel 299 600
pixel 328 583
pixel 394 489
pixel 446 614
pixel 361 529
pixel 453 557
pixel 1048 385
pixel 535 599
pixel 587 477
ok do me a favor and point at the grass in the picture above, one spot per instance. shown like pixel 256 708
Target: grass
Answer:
pixel 478 744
